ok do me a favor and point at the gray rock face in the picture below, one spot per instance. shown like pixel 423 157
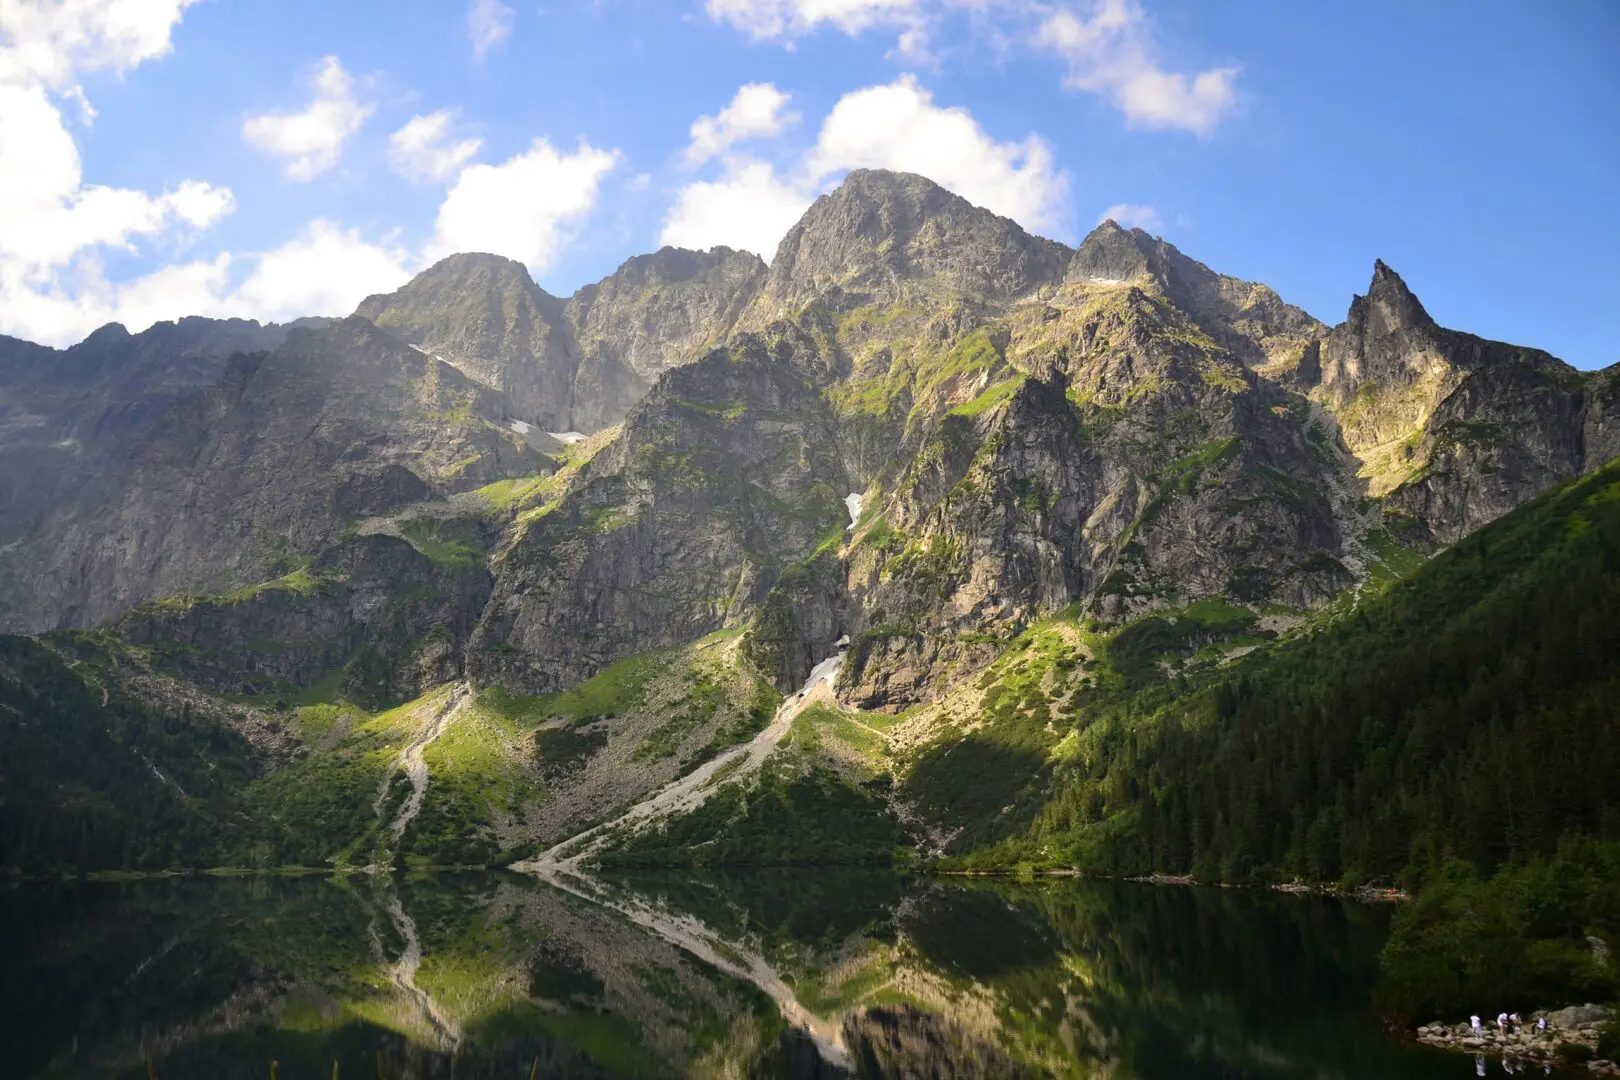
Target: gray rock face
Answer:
pixel 724 474
pixel 655 312
pixel 69 415
pixel 388 621
pixel 579 364
pixel 1246 318
pixel 1452 429
pixel 485 315
pixel 261 469
pixel 887 237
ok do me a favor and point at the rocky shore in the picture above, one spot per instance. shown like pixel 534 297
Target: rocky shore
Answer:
pixel 1571 1038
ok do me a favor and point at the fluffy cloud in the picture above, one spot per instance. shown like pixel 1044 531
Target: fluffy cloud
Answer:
pixel 51 222
pixel 1132 216
pixel 325 271
pixel 1111 53
pixel 422 148
pixel 520 207
pixel 489 22
pixel 312 139
pixel 757 111
pixel 897 126
pixel 46 43
pixel 749 208
pixel 764 19
pixel 1108 46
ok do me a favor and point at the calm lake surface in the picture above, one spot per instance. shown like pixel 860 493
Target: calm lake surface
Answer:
pixel 760 975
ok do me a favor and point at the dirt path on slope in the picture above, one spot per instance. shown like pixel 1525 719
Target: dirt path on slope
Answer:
pixel 414 759
pixel 690 791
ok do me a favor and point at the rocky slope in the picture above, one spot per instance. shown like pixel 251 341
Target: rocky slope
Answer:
pixel 251 477
pixel 1113 436
pixel 575 364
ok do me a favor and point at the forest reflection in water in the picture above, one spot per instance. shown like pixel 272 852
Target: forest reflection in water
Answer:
pixel 755 976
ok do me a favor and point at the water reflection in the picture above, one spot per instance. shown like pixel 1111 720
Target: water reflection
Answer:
pixel 757 976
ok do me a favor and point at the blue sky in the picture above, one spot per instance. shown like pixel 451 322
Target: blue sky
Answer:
pixel 246 158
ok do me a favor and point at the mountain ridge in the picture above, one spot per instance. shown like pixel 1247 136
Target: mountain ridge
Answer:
pixel 919 435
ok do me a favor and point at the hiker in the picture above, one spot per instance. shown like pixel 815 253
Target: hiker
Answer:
pixel 1473 1022
pixel 1541 1025
pixel 1501 1022
pixel 1518 1025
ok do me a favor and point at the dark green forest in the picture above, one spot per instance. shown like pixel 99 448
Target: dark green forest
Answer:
pixel 90 779
pixel 1470 713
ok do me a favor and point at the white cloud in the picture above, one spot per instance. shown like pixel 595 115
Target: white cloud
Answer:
pixel 520 207
pixel 899 127
pixel 765 19
pixel 896 126
pixel 51 222
pixel 420 149
pixel 1132 216
pixel 324 271
pixel 1111 53
pixel 49 215
pixel 749 208
pixel 1108 45
pixel 313 138
pixel 54 225
pixel 66 307
pixel 489 22
pixel 45 43
pixel 756 112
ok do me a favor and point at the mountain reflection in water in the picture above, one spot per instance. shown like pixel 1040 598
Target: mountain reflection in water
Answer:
pixel 791 974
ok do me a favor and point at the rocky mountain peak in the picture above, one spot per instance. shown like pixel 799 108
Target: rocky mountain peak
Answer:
pixel 485 315
pixel 475 269
pixel 114 333
pixel 1113 253
pixel 884 236
pixel 1389 306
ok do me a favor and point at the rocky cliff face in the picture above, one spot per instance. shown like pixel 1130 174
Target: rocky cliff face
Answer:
pixel 655 312
pixel 1030 428
pixel 727 472
pixel 887 238
pixel 576 364
pixel 372 616
pixel 262 470
pixel 485 315
pixel 1452 430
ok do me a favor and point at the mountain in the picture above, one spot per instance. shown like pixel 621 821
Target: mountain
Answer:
pixel 1453 430
pixel 576 364
pixel 1004 479
pixel 251 476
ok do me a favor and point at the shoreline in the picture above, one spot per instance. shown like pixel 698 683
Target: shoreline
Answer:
pixel 1570 1041
pixel 1366 894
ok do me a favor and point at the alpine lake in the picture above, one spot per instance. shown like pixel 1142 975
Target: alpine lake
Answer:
pixel 743 974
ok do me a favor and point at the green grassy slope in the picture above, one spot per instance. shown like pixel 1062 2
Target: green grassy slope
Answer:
pixel 1471 711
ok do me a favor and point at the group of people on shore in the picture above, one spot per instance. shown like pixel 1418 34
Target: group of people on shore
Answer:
pixel 1507 1024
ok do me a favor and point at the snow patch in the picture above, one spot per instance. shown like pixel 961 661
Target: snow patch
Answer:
pixel 855 503
pixel 418 348
pixel 1108 281
pixel 522 427
pixel 568 436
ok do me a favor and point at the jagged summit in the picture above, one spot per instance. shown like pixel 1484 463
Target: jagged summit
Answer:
pixel 1111 252
pixel 885 235
pixel 1389 305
